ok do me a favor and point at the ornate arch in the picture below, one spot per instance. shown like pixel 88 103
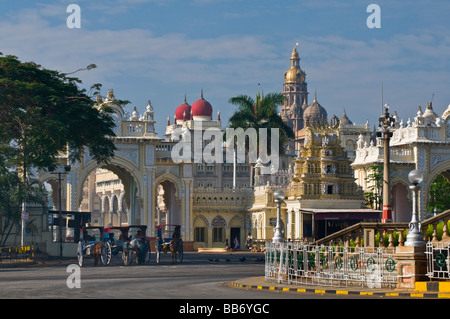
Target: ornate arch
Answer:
pixel 171 178
pixel 208 224
pixel 118 166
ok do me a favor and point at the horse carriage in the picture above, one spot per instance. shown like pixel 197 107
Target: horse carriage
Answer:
pixel 130 241
pixel 169 239
pixel 93 243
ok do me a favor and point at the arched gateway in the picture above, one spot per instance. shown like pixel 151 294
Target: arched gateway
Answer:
pixel 143 185
pixel 421 143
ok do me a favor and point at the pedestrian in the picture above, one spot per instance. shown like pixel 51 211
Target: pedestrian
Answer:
pixel 236 243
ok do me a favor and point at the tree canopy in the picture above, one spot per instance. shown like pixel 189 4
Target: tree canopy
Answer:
pixel 261 113
pixel 43 114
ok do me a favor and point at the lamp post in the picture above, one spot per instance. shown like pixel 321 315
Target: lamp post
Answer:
pixel 386 121
pixel 415 236
pixel 66 170
pixel 278 197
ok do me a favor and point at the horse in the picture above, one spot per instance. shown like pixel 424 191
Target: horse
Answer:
pixel 140 248
pixel 97 252
pixel 174 243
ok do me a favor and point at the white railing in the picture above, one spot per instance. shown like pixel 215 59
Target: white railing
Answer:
pixel 306 264
pixel 438 262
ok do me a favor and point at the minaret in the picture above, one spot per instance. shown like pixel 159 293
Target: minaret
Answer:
pixel 295 92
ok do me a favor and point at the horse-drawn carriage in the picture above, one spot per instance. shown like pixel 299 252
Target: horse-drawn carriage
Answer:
pixel 103 243
pixel 169 239
pixel 93 243
pixel 130 240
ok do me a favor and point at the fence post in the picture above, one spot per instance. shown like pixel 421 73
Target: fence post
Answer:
pixel 411 265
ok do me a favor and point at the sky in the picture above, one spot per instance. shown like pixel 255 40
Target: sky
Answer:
pixel 160 50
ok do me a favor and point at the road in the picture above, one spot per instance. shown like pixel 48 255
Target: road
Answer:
pixel 200 276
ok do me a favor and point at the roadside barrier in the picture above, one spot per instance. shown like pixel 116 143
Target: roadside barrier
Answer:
pixel 16 254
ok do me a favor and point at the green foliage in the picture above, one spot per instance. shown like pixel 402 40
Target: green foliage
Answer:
pixel 43 113
pixel 439 195
pixel 261 113
pixel 439 230
pixel 374 179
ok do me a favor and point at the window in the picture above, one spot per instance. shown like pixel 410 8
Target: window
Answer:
pixel 199 234
pixel 330 189
pixel 218 234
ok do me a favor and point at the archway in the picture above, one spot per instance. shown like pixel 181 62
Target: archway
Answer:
pixel 168 210
pixel 401 206
pixel 110 192
pixel 439 193
pixel 440 170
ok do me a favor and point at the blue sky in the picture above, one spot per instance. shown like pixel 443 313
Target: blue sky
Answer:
pixel 162 49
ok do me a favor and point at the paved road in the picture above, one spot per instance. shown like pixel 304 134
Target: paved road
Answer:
pixel 200 276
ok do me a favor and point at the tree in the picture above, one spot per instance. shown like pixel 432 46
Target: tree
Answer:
pixel 439 195
pixel 261 113
pixel 43 113
pixel 374 180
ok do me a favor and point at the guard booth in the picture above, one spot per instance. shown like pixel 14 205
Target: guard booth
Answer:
pixel 65 227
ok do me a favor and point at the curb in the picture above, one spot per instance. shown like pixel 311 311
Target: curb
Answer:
pixel 16 264
pixel 415 294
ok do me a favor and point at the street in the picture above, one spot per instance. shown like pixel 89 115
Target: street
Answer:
pixel 199 276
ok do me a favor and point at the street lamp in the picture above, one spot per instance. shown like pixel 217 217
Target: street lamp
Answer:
pixel 278 197
pixel 415 236
pixel 386 121
pixel 66 170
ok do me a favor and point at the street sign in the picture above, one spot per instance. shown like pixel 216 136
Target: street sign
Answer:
pixel 25 216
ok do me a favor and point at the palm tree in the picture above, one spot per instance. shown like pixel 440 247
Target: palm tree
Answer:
pixel 261 113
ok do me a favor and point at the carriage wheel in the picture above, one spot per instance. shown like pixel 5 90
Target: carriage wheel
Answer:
pixel 106 253
pixel 80 253
pixel 180 250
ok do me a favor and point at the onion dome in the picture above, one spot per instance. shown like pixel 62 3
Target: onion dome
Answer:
pixel 294 74
pixel 315 114
pixel 429 112
pixel 134 115
pixel 183 111
pixel 201 109
pixel 345 119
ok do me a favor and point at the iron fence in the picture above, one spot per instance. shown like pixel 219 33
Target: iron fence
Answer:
pixel 306 264
pixel 438 262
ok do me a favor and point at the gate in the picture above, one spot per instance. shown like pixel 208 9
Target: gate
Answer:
pixel 438 263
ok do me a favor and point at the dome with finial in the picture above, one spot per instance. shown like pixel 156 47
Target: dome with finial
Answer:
pixel 345 120
pixel 201 109
pixel 294 74
pixel 315 114
pixel 183 111
pixel 429 112
pixel 134 115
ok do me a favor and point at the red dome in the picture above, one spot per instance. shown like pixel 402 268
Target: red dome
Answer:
pixel 183 112
pixel 202 107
